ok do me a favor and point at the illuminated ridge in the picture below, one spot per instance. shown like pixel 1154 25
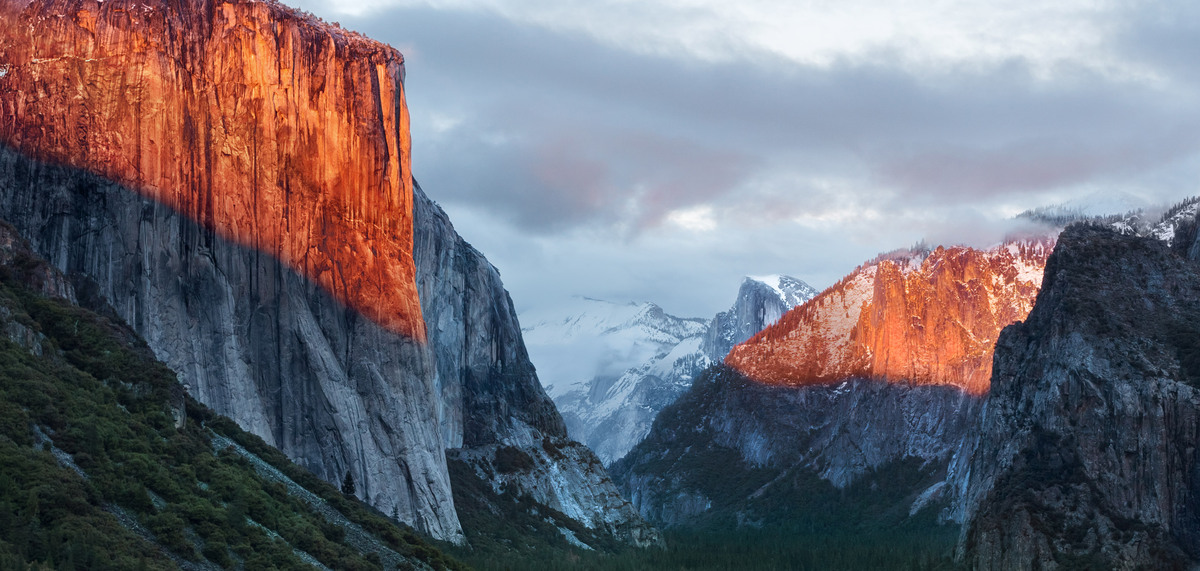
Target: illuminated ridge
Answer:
pixel 262 124
pixel 927 317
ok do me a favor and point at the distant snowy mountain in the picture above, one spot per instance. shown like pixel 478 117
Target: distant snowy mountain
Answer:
pixel 761 301
pixel 611 367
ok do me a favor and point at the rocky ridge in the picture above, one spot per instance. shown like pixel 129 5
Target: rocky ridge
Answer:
pixel 492 406
pixel 611 367
pixel 1086 451
pixel 237 189
pixel 729 432
pixel 923 317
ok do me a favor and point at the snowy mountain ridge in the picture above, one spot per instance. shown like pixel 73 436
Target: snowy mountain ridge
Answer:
pixel 610 367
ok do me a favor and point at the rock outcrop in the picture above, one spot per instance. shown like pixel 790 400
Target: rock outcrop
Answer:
pixel 1086 455
pixel 248 336
pixel 271 129
pixel 922 317
pixel 494 414
pixel 232 178
pixel 761 301
pixel 731 440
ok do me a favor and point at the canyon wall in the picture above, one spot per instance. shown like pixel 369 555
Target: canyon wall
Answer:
pixel 927 318
pixel 232 179
pixel 1086 453
pixel 275 131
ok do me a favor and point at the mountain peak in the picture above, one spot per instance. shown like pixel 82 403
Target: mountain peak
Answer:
pixel 927 317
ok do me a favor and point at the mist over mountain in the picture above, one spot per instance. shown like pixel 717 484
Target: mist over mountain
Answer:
pixel 611 367
pixel 236 333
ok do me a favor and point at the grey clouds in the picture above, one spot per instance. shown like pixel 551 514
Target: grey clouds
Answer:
pixel 582 165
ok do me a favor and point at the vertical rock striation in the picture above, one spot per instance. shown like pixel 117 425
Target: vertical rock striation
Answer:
pixel 493 408
pixel 921 317
pixel 1086 456
pixel 273 130
pixel 489 389
pixel 248 336
pixel 232 178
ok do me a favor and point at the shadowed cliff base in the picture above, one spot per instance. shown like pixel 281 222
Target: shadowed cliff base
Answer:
pixel 1086 455
pixel 247 336
pixel 106 463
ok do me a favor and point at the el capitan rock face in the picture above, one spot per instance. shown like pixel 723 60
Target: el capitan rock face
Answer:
pixel 278 132
pixel 236 187
pixel 231 178
pixel 927 318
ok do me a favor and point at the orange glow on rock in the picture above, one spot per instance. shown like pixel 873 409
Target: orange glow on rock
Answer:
pixel 264 125
pixel 931 320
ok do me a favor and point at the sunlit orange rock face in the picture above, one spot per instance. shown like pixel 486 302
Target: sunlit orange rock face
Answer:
pixel 264 125
pixel 917 317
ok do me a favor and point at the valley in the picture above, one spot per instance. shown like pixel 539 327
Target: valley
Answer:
pixel 236 333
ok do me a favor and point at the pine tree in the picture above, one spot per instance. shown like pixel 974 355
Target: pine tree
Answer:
pixel 348 484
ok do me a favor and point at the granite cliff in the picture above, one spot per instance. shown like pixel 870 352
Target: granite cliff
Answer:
pixel 1086 453
pixel 761 302
pixel 186 160
pixel 106 463
pixel 883 369
pixel 232 179
pixel 923 317
pixel 494 414
pixel 274 131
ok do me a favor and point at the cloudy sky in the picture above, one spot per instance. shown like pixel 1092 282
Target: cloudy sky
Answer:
pixel 659 150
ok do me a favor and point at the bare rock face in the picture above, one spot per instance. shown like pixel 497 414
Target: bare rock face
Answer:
pixel 761 302
pixel 492 405
pixel 232 178
pixel 489 389
pixel 728 431
pixel 275 131
pixel 248 336
pixel 928 318
pixel 1087 452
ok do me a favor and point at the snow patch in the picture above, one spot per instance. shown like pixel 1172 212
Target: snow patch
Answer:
pixel 570 536
pixel 3 70
pixel 930 494
pixel 772 281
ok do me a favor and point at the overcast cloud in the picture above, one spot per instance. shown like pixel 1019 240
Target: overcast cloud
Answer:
pixel 660 150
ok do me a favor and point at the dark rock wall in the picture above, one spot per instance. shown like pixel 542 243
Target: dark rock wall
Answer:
pixel 492 403
pixel 837 433
pixel 248 337
pixel 1087 452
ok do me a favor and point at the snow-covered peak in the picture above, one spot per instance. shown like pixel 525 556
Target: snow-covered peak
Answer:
pixel 1165 228
pixel 791 291
pixel 600 338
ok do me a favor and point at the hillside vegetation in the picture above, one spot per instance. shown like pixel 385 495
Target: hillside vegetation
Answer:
pixel 105 462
